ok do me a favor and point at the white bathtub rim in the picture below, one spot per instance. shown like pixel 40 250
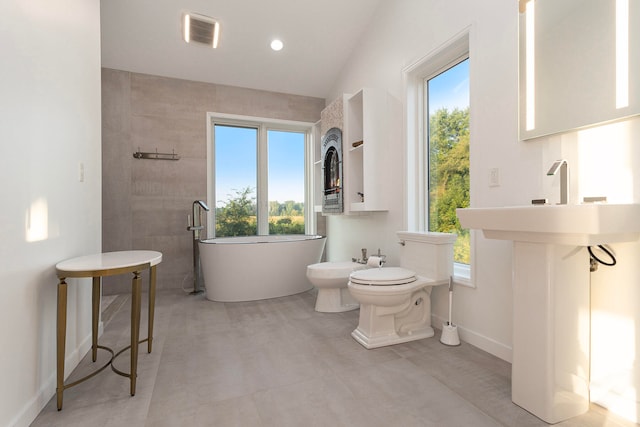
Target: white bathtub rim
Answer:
pixel 252 240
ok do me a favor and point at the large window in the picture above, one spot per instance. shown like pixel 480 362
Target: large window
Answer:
pixel 258 178
pixel 447 115
pixel 438 130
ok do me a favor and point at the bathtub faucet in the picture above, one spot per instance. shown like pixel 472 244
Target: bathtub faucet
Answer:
pixel 196 226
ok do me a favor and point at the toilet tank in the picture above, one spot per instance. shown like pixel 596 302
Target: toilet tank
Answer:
pixel 429 254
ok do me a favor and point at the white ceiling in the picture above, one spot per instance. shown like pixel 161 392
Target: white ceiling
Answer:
pixel 144 36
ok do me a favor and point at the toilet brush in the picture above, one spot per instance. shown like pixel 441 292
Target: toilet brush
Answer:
pixel 449 330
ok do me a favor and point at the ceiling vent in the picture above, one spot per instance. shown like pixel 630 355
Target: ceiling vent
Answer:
pixel 201 29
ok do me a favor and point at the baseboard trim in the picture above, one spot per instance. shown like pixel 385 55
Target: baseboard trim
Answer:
pixel 485 343
pixel 33 407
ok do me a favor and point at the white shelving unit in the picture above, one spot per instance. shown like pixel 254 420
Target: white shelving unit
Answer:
pixel 365 123
pixel 365 143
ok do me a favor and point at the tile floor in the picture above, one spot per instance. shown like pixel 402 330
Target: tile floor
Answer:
pixel 280 363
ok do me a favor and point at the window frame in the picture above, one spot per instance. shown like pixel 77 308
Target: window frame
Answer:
pixel 416 128
pixel 263 125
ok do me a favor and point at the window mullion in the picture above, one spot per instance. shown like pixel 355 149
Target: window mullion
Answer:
pixel 262 196
pixel 309 214
pixel 423 154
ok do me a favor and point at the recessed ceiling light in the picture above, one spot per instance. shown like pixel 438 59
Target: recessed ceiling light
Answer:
pixel 201 29
pixel 277 45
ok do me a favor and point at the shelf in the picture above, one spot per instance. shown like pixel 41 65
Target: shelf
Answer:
pixel 364 121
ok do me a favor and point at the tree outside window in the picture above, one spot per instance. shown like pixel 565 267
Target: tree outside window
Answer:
pixel 448 140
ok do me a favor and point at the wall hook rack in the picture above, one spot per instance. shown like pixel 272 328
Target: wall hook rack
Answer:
pixel 156 156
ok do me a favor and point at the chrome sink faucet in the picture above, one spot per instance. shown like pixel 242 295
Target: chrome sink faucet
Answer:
pixel 562 166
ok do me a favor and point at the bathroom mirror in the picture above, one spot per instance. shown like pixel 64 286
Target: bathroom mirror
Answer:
pixel 579 64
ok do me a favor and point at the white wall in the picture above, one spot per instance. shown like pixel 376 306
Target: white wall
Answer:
pixel 603 161
pixel 405 32
pixel 49 124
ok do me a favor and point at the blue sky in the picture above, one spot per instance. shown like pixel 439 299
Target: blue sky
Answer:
pixel 286 166
pixel 450 89
pixel 236 163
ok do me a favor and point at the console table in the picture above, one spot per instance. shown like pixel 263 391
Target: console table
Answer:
pixel 96 266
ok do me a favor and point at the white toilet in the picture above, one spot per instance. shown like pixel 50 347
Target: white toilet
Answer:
pixel 395 302
pixel 331 278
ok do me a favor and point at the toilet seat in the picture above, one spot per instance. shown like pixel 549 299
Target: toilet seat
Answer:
pixel 386 276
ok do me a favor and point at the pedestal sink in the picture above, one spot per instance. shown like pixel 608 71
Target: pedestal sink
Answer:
pixel 551 306
pixel 579 225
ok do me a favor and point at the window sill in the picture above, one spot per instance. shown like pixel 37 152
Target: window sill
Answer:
pixel 462 275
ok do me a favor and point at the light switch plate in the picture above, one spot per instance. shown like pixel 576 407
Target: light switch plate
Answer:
pixel 494 177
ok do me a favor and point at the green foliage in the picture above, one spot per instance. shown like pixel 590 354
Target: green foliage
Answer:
pixel 286 218
pixel 449 175
pixel 286 225
pixel 288 208
pixel 237 216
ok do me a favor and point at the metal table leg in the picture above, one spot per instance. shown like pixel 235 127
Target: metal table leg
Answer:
pixel 135 328
pixel 95 316
pixel 61 335
pixel 152 306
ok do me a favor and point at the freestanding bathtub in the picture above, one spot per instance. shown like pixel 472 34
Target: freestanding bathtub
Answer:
pixel 251 268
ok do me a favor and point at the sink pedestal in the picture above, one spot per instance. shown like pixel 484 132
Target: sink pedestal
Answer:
pixel 551 330
pixel 551 307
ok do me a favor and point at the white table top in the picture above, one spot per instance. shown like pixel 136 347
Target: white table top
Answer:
pixel 110 260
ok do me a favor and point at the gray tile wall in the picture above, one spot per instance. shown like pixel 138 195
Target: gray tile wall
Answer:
pixel 145 203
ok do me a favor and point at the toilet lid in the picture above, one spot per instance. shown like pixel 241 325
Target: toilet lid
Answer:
pixel 383 276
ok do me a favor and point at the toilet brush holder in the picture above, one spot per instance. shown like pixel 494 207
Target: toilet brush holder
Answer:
pixel 449 334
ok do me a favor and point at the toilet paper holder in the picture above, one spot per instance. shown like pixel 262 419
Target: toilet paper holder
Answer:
pixel 375 261
pixel 379 258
